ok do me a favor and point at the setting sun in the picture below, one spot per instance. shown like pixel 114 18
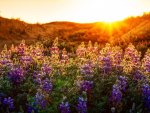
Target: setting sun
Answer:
pixel 43 11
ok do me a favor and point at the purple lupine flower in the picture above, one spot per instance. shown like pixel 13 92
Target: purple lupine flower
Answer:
pixel 38 76
pixel 6 62
pixel 86 85
pixel 82 105
pixel 46 69
pixel 26 59
pixel 31 109
pixel 146 95
pixel 64 107
pixel 9 102
pixel 138 75
pixel 107 64
pixel 47 85
pixel 40 100
pixel 116 94
pixel 146 62
pixel 81 51
pixel 147 102
pixel 87 69
pixel 21 48
pixel 5 58
pixel 64 57
pixel 146 90
pixel 16 75
pixel 147 66
pixel 122 83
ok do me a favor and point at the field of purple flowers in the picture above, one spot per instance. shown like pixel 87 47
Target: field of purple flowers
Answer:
pixel 91 80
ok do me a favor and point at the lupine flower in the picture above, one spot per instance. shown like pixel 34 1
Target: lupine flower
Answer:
pixel 146 95
pixel 21 48
pixel 16 75
pixel 26 59
pixel 47 85
pixel 86 85
pixel 9 102
pixel 137 75
pixel 31 109
pixel 107 64
pixel 54 50
pixel 145 90
pixel 131 59
pixel 116 94
pixel 147 103
pixel 82 105
pixel 5 57
pixel 37 53
pixel 38 77
pixel 46 69
pixel 117 55
pixel 122 83
pixel 40 100
pixel 146 62
pixel 81 51
pixel 64 107
pixel 64 57
pixel 87 69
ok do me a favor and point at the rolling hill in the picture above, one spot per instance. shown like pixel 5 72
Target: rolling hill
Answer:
pixel 132 29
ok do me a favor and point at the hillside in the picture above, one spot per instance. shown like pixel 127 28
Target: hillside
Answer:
pixel 133 29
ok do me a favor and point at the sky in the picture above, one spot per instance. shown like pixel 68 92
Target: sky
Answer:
pixel 82 11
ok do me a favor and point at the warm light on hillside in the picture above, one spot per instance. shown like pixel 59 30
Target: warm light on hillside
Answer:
pixel 42 11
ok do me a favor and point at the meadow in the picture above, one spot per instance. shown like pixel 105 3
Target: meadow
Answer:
pixel 92 79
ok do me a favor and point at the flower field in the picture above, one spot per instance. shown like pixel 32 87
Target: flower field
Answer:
pixel 91 80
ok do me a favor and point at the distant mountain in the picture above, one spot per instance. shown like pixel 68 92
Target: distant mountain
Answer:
pixel 133 29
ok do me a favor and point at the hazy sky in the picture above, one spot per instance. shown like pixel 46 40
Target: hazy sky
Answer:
pixel 72 10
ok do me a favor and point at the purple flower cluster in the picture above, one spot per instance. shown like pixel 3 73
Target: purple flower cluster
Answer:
pixel 64 57
pixel 107 64
pixel 122 83
pixel 37 76
pixel 44 83
pixel 82 105
pixel 148 66
pixel 9 102
pixel 21 48
pixel 86 85
pixel 5 58
pixel 146 61
pixel 87 69
pixel 116 94
pixel 134 56
pixel 64 107
pixel 47 85
pixel 146 95
pixel 81 51
pixel 138 75
pixel 37 52
pixel 26 59
pixel 40 100
pixel 16 75
pixel 32 109
pixel 46 69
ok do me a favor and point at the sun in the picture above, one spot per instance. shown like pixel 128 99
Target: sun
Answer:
pixel 81 11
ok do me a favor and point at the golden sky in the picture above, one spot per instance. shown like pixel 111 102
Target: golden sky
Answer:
pixel 43 11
